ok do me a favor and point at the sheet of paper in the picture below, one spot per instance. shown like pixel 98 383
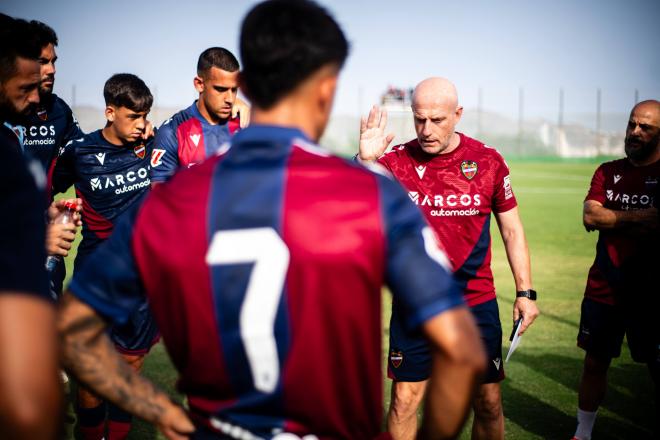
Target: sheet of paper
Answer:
pixel 515 342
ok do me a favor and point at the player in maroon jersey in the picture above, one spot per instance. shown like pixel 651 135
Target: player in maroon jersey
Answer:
pixel 622 204
pixel 264 266
pixel 457 182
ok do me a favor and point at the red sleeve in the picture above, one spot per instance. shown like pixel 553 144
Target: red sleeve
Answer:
pixel 503 198
pixel 597 188
pixel 383 160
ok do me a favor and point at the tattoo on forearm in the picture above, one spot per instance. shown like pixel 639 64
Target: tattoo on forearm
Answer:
pixel 90 355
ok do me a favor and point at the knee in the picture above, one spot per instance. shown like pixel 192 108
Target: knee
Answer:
pixel 406 398
pixel 488 407
pixel 594 366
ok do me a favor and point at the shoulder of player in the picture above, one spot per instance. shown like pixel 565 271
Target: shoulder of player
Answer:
pixel 483 151
pixel 60 104
pixel 177 119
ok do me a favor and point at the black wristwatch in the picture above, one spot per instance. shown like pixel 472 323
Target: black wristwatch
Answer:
pixel 529 293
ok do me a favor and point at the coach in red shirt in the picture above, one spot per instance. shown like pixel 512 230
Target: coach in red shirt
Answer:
pixel 622 205
pixel 457 182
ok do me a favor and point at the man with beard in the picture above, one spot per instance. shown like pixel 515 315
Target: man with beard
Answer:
pixel 622 204
pixel 29 390
pixel 47 130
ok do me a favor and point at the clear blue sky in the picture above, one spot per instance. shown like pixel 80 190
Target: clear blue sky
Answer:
pixel 579 45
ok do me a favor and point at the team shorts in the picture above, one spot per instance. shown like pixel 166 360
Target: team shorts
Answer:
pixel 602 327
pixel 138 334
pixel 409 357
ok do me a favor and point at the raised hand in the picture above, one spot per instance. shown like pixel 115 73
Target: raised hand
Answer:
pixel 373 140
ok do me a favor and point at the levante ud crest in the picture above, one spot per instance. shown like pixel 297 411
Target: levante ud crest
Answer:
pixel 140 151
pixel 396 358
pixel 469 169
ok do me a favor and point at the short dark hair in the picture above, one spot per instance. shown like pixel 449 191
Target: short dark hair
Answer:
pixel 127 90
pixel 17 39
pixel 216 57
pixel 283 42
pixel 45 34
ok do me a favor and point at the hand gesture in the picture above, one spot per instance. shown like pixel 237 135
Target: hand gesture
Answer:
pixel 373 141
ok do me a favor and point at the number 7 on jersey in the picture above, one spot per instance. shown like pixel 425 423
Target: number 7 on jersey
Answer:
pixel 264 248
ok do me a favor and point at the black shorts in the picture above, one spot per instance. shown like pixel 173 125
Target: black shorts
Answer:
pixel 602 327
pixel 409 357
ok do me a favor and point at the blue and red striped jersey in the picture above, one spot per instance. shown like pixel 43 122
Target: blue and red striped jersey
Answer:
pixel 457 192
pixel 263 267
pixel 108 178
pixel 186 139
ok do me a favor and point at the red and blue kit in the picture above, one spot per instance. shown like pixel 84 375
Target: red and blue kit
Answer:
pixel 187 139
pixel 263 267
pixel 109 179
pixel 457 192
pixel 620 186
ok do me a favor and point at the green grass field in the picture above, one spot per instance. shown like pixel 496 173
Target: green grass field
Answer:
pixel 540 392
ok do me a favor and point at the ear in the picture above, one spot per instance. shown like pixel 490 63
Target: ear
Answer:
pixel 198 82
pixel 110 113
pixel 459 113
pixel 327 86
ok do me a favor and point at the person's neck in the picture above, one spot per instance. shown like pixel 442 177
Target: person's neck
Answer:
pixel 110 136
pixel 288 113
pixel 210 117
pixel 454 142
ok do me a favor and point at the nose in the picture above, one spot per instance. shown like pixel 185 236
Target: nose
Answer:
pixel 33 96
pixel 230 96
pixel 427 127
pixel 141 124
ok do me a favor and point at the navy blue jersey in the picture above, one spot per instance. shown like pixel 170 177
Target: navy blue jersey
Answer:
pixel 108 178
pixel 22 226
pixel 49 129
pixel 187 139
pixel 263 267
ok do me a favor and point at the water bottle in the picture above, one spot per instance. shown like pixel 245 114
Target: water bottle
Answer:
pixel 62 218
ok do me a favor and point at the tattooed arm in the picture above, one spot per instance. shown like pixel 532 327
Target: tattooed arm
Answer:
pixel 89 354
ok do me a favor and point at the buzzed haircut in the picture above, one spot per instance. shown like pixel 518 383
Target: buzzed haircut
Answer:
pixel 127 90
pixel 17 39
pixel 283 42
pixel 45 34
pixel 216 57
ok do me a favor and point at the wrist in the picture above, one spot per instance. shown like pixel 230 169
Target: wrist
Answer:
pixel 527 293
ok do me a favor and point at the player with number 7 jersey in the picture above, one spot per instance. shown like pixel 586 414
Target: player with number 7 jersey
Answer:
pixel 263 269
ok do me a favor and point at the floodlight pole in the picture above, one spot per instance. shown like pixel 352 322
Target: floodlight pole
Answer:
pixel 598 109
pixel 521 107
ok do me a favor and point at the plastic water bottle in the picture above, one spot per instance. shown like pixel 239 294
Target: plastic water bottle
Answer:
pixel 62 218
